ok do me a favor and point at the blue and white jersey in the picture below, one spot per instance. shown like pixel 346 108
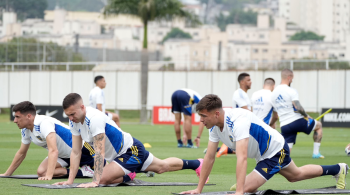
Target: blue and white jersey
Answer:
pixel 281 98
pixel 194 100
pixel 240 98
pixel 43 126
pixel 96 122
pixel 264 141
pixel 97 96
pixel 262 106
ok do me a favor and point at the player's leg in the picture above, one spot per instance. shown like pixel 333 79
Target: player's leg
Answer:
pixel 113 173
pixel 317 139
pixel 289 133
pixel 188 129
pixel 176 109
pixel 59 170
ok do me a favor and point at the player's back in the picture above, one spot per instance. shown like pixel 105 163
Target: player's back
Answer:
pixel 240 98
pixel 193 94
pixel 262 106
pixel 282 100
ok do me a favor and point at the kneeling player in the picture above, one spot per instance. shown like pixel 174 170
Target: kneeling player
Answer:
pixel 125 153
pixel 52 135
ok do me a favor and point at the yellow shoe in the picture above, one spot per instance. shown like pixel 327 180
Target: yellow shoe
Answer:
pixel 340 177
pixel 233 188
pixel 223 150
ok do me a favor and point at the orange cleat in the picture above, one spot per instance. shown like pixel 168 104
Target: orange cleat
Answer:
pixel 223 150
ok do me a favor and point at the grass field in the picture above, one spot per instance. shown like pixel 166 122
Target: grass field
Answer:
pixel 162 139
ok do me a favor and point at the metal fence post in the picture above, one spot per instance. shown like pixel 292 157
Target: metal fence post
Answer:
pixel 40 66
pixel 291 64
pixel 327 64
pixel 67 67
pixel 13 67
pixel 256 64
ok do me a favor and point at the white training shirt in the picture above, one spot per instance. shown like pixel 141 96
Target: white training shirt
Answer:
pixel 264 141
pixel 96 122
pixel 43 126
pixel 262 106
pixel 281 98
pixel 240 98
pixel 194 99
pixel 97 96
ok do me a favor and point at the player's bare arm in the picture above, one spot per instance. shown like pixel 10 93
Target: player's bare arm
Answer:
pixel 241 168
pixel 99 107
pixel 99 145
pixel 245 107
pixel 299 108
pixel 17 160
pixel 274 119
pixel 52 157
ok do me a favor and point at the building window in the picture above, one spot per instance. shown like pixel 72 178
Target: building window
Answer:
pixel 261 36
pixel 341 55
pixel 264 60
pixel 195 53
pixel 265 50
pixel 293 51
pixel 206 53
pixel 256 50
pixel 160 33
pixel 195 34
pixel 284 51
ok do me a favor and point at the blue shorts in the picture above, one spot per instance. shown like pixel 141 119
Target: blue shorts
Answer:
pixel 180 101
pixel 269 167
pixel 134 159
pixel 290 131
pixel 87 156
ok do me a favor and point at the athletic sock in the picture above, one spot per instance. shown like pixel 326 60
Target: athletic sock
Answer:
pixel 218 149
pixel 229 151
pixel 317 148
pixel 190 164
pixel 179 141
pixel 80 174
pixel 126 178
pixel 330 169
pixel 189 142
pixel 67 171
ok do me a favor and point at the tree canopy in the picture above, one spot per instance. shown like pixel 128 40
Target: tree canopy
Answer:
pixel 236 17
pixel 25 8
pixel 176 33
pixel 305 36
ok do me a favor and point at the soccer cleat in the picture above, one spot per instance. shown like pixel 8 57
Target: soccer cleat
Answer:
pixel 340 177
pixel 318 156
pixel 223 150
pixel 190 146
pixel 233 188
pixel 199 169
pixel 132 175
pixel 87 171
pixel 180 145
pixel 205 151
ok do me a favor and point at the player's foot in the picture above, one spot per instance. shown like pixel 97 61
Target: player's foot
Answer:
pixel 180 145
pixel 340 177
pixel 318 156
pixel 199 169
pixel 223 150
pixel 132 175
pixel 87 171
pixel 190 146
pixel 150 174
pixel 233 188
pixel 205 151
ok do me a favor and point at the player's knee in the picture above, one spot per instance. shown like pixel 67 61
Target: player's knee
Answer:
pixel 41 172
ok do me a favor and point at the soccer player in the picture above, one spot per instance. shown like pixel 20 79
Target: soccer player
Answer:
pixel 252 138
pixel 124 153
pixel 262 106
pixel 240 97
pixel 292 116
pixel 184 101
pixel 53 135
pixel 97 98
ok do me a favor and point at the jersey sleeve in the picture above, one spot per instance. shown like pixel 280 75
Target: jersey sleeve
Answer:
pixel 97 125
pixel 241 128
pixel 213 135
pixel 239 100
pixel 73 128
pixel 99 97
pixel 294 94
pixel 47 127
pixel 25 136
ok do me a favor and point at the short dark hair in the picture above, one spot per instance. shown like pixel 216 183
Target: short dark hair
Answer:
pixel 242 76
pixel 269 81
pixel 25 108
pixel 97 78
pixel 209 102
pixel 70 100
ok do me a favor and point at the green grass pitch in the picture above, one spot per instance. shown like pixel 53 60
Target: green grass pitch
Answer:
pixel 162 139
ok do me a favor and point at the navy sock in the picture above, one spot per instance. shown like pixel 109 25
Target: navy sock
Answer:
pixel 126 178
pixel 218 149
pixel 189 142
pixel 67 171
pixel 330 169
pixel 179 141
pixel 190 164
pixel 79 173
pixel 229 151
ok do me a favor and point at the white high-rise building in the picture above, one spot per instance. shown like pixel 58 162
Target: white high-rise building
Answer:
pixel 329 18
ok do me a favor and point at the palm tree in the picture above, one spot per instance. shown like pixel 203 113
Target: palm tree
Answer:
pixel 146 11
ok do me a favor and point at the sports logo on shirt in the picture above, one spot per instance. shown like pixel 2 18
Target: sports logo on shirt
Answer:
pixel 280 99
pixel 23 132
pixel 37 128
pixel 229 123
pixel 259 101
pixel 264 169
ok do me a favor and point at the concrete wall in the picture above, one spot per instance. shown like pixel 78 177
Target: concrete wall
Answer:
pixel 317 89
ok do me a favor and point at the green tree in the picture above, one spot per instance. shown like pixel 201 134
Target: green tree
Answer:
pixel 146 11
pixel 25 8
pixel 77 5
pixel 176 33
pixel 306 35
pixel 237 17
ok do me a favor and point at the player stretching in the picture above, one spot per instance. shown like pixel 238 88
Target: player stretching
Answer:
pixel 124 153
pixel 252 138
pixel 53 135
pixel 292 116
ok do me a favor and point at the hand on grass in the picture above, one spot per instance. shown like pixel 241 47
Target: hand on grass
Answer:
pixel 196 191
pixel 63 183
pixel 45 178
pixel 87 185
